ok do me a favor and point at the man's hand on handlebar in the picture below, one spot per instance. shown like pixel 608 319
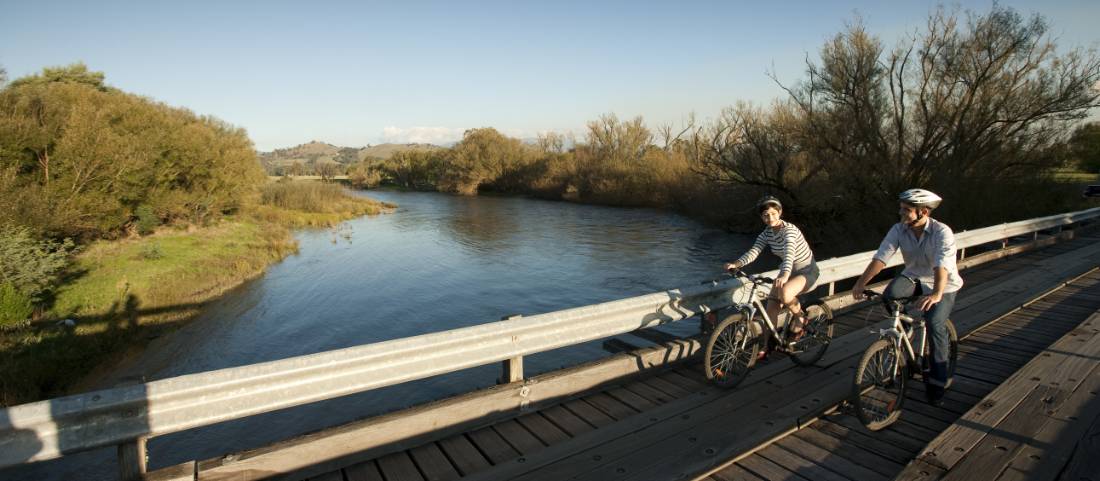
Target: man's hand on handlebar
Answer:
pixel 858 291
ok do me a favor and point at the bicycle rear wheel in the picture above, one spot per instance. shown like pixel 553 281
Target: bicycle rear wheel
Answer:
pixel 818 332
pixel 731 351
pixel 878 389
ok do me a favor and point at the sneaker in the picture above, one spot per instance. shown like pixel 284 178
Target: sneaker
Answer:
pixel 762 356
pixel 934 395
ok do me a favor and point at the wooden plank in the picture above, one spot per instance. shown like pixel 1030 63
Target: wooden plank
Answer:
pixel 566 420
pixel 365 471
pixel 669 388
pixel 467 459
pixel 990 456
pixel 996 367
pixel 594 447
pixel 958 440
pixel 492 445
pixel 689 382
pixel 1016 358
pixel 1052 446
pixel 588 413
pixel 734 472
pixel 184 471
pixel 885 443
pixel 648 392
pixel 542 428
pixel 398 467
pixel 843 458
pixel 518 437
pixel 1039 331
pixel 827 459
pixel 768 470
pixel 1084 462
pixel 800 465
pixel 433 463
pixel 610 406
pixel 636 402
pixel 704 443
pixel 1034 335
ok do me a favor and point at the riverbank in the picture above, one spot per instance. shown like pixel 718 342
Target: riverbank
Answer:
pixel 121 294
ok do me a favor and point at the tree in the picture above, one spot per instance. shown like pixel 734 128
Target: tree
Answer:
pixel 483 156
pixel 78 159
pixel 327 170
pixel 77 73
pixel 1084 147
pixel 961 107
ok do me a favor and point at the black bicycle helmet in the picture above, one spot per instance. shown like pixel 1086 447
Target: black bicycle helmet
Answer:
pixel 769 201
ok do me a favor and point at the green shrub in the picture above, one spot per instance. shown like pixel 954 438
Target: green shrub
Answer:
pixel 14 305
pixel 29 265
pixel 151 251
pixel 147 220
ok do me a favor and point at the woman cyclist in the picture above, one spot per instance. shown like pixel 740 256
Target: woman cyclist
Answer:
pixel 798 271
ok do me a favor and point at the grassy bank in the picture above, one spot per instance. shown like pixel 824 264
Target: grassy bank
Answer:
pixel 121 294
pixel 311 204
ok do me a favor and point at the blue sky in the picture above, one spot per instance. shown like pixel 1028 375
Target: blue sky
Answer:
pixel 357 73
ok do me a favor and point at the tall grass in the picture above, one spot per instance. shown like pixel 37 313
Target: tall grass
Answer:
pixel 312 204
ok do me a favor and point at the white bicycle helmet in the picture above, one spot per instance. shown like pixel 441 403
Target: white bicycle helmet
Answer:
pixel 920 198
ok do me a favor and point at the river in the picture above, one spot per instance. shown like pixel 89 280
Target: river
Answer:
pixel 438 262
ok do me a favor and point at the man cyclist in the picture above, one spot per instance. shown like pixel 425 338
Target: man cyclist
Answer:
pixel 928 249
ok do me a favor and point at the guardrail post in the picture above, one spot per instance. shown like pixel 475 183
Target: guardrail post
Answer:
pixel 132 460
pixel 962 253
pixel 832 288
pixel 511 370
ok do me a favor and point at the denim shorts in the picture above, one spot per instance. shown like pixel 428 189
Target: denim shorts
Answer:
pixel 811 273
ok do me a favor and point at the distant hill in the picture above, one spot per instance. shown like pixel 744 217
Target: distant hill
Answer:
pixel 311 154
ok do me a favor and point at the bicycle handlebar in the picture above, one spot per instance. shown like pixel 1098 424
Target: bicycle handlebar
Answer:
pixel 755 279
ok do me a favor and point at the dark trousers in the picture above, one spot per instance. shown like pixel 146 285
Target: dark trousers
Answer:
pixel 935 324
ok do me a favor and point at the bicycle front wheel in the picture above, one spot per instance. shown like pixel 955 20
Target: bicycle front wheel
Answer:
pixel 818 333
pixel 878 390
pixel 731 351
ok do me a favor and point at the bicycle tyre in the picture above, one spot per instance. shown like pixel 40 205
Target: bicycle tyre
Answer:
pixel 881 405
pixel 817 335
pixel 731 351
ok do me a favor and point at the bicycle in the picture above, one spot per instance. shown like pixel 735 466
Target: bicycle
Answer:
pixel 881 379
pixel 732 347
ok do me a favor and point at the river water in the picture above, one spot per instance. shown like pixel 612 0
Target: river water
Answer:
pixel 439 262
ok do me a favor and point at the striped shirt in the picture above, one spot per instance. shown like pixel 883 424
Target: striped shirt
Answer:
pixel 788 243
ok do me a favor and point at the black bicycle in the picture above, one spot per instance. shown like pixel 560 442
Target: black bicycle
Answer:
pixel 746 331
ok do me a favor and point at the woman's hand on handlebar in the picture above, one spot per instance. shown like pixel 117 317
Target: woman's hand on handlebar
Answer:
pixel 732 267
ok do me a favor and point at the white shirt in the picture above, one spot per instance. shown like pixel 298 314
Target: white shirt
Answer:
pixel 935 248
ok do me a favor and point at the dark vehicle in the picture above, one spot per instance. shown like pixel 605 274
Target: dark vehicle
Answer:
pixel 1091 191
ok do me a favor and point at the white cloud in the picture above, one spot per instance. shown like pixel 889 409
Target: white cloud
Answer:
pixel 421 135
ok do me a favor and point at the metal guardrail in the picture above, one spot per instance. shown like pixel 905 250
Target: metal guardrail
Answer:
pixel 126 416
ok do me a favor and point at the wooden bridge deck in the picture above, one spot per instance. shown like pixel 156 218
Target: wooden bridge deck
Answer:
pixel 783 421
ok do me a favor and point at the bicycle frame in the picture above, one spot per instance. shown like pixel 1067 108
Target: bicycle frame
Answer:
pixel 898 335
pixel 756 306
